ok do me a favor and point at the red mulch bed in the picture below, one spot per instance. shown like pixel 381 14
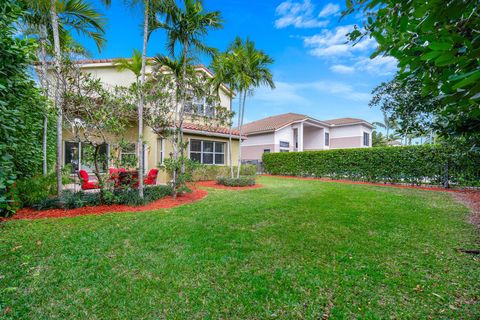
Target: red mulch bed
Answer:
pixel 369 183
pixel 472 200
pixel 164 203
pixel 214 184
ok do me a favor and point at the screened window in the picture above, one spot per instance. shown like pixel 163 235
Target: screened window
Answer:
pixel 128 155
pixel 207 152
pixel 266 150
pixel 160 151
pixel 284 146
pixel 200 107
pixel 80 156
pixel 327 138
pixel 366 139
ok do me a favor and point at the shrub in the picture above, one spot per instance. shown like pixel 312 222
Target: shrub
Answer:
pixel 412 164
pixel 210 172
pixel 131 196
pixel 243 181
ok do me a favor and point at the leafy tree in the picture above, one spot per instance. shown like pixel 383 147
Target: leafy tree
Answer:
pixel 20 104
pixel 96 114
pixel 187 25
pixel 405 108
pixel 250 67
pixel 437 43
pixel 378 139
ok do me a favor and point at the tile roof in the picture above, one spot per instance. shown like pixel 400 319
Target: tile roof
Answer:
pixel 276 122
pixel 341 121
pixel 272 123
pixel 211 129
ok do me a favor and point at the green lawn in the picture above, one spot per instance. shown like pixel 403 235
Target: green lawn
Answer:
pixel 293 249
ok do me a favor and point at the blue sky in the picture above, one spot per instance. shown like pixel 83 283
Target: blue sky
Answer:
pixel 316 73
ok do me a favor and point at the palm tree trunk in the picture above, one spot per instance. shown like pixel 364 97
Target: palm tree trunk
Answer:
pixel 182 105
pixel 58 57
pixel 241 132
pixel 230 160
pixel 44 82
pixel 142 100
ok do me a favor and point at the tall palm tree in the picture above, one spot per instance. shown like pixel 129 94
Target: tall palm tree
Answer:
pixel 251 71
pixel 134 64
pixel 223 68
pixel 72 15
pixel 186 25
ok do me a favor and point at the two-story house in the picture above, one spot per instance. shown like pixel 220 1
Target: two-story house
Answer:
pixel 207 144
pixel 297 132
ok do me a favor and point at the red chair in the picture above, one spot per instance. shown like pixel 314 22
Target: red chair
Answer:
pixel 151 178
pixel 86 184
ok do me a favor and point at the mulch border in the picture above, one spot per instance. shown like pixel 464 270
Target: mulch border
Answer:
pixel 164 203
pixel 215 185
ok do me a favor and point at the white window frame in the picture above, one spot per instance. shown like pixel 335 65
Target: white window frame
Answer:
pixel 327 139
pixel 200 103
pixel 79 143
pixel 284 149
pixel 366 135
pixel 160 153
pixel 135 153
pixel 213 152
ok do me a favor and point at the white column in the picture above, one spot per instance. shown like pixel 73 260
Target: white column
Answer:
pixel 300 137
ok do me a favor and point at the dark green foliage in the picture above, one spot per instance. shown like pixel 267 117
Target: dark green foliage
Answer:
pixel 414 164
pixel 77 199
pixel 34 189
pixel 21 108
pixel 209 172
pixel 242 181
pixel 435 43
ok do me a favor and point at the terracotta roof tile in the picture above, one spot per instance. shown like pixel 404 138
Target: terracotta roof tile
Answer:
pixel 272 123
pixel 212 129
pixel 342 121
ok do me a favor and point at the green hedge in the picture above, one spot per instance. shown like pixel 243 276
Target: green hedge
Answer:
pixel 424 164
pixel 210 172
pixel 243 181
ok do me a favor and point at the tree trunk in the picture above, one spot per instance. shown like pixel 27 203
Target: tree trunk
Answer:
pixel 57 59
pixel 141 100
pixel 241 132
pixel 230 160
pixel 182 106
pixel 97 173
pixel 44 83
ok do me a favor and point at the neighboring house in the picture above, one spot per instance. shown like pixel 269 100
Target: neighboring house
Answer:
pixel 297 132
pixel 207 144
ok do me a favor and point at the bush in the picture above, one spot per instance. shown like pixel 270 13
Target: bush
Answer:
pixel 243 181
pixel 413 164
pixel 211 172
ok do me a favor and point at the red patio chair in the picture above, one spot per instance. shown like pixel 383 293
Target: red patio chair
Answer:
pixel 86 184
pixel 151 178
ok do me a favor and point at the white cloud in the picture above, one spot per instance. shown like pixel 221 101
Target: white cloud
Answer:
pixel 333 43
pixel 328 10
pixel 297 14
pixel 380 66
pixel 340 68
pixel 295 93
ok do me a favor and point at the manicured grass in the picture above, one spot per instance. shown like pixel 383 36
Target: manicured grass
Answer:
pixel 293 249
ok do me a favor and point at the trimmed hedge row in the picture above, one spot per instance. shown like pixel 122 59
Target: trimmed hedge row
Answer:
pixel 211 172
pixel 424 164
pixel 242 181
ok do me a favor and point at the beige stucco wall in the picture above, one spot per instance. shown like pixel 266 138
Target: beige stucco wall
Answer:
pixel 152 153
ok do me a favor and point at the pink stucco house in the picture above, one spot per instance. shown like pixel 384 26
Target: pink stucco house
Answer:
pixel 291 132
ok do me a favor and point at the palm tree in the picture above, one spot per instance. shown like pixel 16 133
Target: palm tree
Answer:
pixel 251 70
pixel 134 64
pixel 72 15
pixel 187 25
pixel 223 68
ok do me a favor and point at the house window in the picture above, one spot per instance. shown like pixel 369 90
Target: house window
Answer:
pixel 366 139
pixel 266 150
pixel 128 155
pixel 327 138
pixel 207 152
pixel 284 146
pixel 160 151
pixel 80 156
pixel 200 107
